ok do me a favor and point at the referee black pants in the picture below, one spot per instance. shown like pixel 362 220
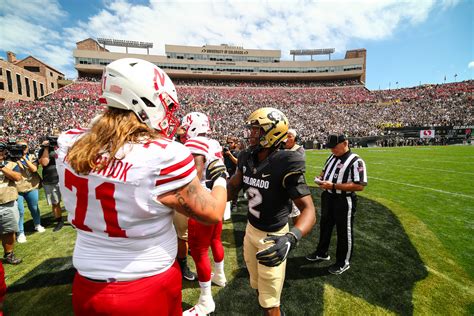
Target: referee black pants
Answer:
pixel 338 210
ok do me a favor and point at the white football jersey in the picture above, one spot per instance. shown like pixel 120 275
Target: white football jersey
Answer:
pixel 123 232
pixel 209 148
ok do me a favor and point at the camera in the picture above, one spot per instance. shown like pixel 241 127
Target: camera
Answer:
pixel 14 151
pixel 53 142
pixel 226 149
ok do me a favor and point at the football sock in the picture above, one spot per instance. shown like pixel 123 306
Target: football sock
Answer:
pixel 219 266
pixel 205 288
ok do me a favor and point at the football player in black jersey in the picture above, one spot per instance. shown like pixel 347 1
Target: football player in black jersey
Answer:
pixel 272 179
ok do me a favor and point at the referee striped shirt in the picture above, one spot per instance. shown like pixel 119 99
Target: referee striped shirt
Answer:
pixel 347 168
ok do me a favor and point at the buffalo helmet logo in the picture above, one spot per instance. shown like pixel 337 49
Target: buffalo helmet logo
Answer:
pixel 275 116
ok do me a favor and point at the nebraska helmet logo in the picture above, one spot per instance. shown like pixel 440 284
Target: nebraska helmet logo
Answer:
pixel 189 119
pixel 160 75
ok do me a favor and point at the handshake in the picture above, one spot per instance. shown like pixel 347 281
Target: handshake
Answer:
pixel 215 170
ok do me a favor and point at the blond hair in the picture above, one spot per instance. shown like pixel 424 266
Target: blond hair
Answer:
pixel 108 134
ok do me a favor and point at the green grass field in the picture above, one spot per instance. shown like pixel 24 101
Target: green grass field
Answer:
pixel 413 248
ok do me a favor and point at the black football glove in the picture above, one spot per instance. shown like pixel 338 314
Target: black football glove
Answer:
pixel 214 171
pixel 276 254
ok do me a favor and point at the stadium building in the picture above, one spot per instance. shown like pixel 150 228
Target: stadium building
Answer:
pixel 27 79
pixel 224 62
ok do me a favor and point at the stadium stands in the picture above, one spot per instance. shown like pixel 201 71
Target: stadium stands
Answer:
pixel 313 111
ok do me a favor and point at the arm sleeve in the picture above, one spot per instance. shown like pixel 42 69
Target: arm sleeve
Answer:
pixel 359 172
pixel 197 146
pixel 243 156
pixel 295 184
pixel 293 180
pixel 177 171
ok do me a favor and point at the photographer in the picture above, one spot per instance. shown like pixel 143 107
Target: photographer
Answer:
pixel 8 205
pixel 47 159
pixel 27 188
pixel 231 155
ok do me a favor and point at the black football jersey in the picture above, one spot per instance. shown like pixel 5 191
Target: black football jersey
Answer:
pixel 269 201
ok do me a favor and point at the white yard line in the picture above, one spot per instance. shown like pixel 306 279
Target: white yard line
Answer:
pixel 420 168
pixel 440 161
pixel 422 187
pixel 469 160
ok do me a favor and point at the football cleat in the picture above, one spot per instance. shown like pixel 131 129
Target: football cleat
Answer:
pixel 205 306
pixel 219 279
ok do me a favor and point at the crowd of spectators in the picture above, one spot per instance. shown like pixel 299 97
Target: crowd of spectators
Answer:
pixel 71 106
pixel 356 111
pixel 266 83
pixel 312 111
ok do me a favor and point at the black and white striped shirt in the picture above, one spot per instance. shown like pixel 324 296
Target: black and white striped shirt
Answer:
pixel 347 168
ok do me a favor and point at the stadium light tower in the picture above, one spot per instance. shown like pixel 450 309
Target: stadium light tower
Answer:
pixel 311 52
pixel 126 44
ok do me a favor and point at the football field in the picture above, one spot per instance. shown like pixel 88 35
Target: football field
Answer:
pixel 413 254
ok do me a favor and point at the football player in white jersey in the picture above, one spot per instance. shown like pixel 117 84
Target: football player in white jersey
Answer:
pixel 200 237
pixel 121 180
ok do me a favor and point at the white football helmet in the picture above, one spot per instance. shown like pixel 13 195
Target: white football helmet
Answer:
pixel 142 87
pixel 195 123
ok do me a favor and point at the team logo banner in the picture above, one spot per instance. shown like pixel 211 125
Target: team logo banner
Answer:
pixel 427 133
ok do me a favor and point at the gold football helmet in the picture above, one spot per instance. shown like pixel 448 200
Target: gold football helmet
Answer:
pixel 273 124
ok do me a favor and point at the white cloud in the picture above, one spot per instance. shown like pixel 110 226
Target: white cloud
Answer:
pixel 33 10
pixel 22 34
pixel 31 28
pixel 471 65
pixel 265 24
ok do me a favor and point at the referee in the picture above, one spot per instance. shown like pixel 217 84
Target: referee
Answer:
pixel 344 173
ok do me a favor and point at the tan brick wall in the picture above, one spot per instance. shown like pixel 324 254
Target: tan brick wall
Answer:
pixel 14 70
pixel 51 75
pixel 90 44
pixel 359 53
pixel 11 57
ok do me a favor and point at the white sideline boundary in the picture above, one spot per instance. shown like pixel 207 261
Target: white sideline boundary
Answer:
pixel 426 188
pixel 413 185
pixel 421 168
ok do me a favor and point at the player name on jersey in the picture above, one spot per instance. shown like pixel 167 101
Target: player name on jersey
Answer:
pixel 258 183
pixel 117 170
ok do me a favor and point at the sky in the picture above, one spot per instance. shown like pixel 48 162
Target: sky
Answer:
pixel 408 42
